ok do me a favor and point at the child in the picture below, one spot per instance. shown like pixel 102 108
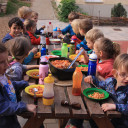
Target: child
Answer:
pixel 84 26
pixel 16 28
pixel 31 29
pixel 19 50
pixel 9 106
pixel 34 16
pixel 106 52
pixel 91 36
pixel 24 13
pixel 118 89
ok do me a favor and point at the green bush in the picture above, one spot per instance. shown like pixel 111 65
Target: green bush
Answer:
pixel 118 11
pixel 65 7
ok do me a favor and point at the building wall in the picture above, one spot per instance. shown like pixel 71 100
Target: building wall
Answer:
pixel 102 9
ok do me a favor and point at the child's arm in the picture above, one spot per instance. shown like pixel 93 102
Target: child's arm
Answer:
pixel 66 29
pixel 38 32
pixel 34 40
pixel 107 106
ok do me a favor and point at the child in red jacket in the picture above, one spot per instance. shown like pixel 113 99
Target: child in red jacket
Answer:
pixel 31 29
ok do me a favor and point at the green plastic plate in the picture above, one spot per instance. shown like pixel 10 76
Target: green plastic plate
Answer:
pixel 56 52
pixel 89 91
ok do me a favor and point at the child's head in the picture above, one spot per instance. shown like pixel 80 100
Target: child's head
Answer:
pixel 16 26
pixel 30 25
pixel 75 24
pixel 20 48
pixel 34 16
pixel 106 49
pixel 24 12
pixel 72 16
pixel 92 35
pixel 120 69
pixel 3 58
pixel 84 26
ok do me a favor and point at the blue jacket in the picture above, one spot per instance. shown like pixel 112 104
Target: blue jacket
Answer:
pixel 120 97
pixel 8 109
pixel 6 38
pixel 29 58
pixel 68 29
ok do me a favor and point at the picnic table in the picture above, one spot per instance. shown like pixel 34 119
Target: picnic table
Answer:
pixel 90 109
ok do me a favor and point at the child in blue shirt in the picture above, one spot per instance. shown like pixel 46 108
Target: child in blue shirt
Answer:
pixel 9 107
pixel 19 50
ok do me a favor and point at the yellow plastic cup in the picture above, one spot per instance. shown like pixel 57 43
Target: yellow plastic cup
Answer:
pixel 48 101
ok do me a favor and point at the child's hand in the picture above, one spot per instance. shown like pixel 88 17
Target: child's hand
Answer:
pixel 84 52
pixel 61 36
pixel 34 50
pixel 43 26
pixel 32 108
pixel 88 79
pixel 107 106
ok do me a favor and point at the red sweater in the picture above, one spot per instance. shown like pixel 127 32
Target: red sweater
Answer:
pixel 34 40
pixel 104 68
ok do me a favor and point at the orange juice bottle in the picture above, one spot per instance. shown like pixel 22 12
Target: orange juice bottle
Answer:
pixel 77 79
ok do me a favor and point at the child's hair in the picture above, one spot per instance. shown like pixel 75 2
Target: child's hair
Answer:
pixel 110 49
pixel 16 21
pixel 2 48
pixel 121 61
pixel 29 24
pixel 94 34
pixel 24 11
pixel 20 48
pixel 75 24
pixel 33 14
pixel 72 16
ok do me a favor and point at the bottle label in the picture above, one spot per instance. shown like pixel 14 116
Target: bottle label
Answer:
pixel 92 59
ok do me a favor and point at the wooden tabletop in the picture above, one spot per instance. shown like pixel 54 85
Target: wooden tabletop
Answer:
pixel 90 109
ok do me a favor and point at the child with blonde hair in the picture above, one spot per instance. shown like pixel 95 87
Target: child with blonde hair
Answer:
pixel 19 50
pixel 30 26
pixel 117 87
pixel 24 12
pixel 9 105
pixel 34 16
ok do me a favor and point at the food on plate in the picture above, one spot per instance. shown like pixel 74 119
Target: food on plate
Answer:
pixel 62 64
pixel 84 68
pixel 37 55
pixel 39 92
pixel 34 74
pixel 72 57
pixel 97 95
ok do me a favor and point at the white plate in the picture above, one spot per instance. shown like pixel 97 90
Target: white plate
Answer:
pixel 55 40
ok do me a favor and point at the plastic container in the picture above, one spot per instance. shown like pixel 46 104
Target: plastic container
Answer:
pixel 58 32
pixel 62 74
pixel 48 93
pixel 47 44
pixel 64 50
pixel 43 70
pixel 77 79
pixel 72 48
pixel 74 38
pixel 42 38
pixel 50 29
pixel 56 52
pixel 43 51
pixel 92 64
pixel 55 33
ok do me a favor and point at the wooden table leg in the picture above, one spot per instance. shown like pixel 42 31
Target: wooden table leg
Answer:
pixel 103 122
pixel 33 122
pixel 62 123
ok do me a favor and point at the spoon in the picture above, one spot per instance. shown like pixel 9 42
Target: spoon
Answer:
pixel 35 98
pixel 75 58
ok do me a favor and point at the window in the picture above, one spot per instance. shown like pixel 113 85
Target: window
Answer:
pixel 94 1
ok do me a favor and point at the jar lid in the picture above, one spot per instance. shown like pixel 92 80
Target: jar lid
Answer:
pixel 49 79
pixel 64 44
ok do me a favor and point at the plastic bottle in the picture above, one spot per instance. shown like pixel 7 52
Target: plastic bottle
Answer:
pixel 43 70
pixel 72 48
pixel 48 93
pixel 55 33
pixel 42 37
pixel 43 51
pixel 50 29
pixel 47 44
pixel 74 38
pixel 77 79
pixel 64 50
pixel 92 64
pixel 58 32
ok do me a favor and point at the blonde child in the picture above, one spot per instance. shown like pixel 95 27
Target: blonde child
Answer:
pixel 118 89
pixel 91 36
pixel 24 12
pixel 30 26
pixel 34 16
pixel 19 50
pixel 9 107
pixel 84 26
